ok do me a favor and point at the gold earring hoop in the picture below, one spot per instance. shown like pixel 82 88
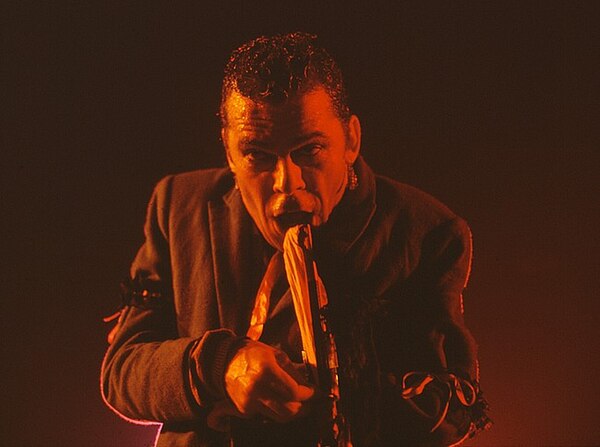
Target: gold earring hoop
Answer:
pixel 352 178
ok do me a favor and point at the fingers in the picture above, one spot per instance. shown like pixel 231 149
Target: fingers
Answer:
pixel 262 380
pixel 288 387
pixel 278 397
pixel 282 411
pixel 298 371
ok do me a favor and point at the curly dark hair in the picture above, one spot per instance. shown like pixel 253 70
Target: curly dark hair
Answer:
pixel 274 68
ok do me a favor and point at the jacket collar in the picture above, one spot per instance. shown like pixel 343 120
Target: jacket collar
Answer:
pixel 351 216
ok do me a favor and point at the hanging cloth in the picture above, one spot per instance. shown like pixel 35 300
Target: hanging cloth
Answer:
pixel 262 302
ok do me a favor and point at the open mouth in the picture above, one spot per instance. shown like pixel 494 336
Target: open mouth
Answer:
pixel 290 219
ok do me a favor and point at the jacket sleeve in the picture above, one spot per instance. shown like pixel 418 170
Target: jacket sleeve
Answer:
pixel 439 392
pixel 146 372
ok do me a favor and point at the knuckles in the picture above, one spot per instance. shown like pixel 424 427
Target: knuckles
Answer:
pixel 253 384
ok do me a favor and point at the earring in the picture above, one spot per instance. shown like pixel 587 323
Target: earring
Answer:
pixel 352 178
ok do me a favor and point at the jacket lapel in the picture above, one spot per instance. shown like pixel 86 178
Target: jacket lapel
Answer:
pixel 231 239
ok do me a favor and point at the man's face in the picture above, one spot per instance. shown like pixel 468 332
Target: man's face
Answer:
pixel 290 160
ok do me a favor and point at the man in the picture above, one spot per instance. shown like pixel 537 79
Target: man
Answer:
pixel 191 349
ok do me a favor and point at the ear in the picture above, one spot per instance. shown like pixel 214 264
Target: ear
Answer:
pixel 224 140
pixel 354 138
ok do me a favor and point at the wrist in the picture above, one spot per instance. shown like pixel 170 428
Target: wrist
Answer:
pixel 208 358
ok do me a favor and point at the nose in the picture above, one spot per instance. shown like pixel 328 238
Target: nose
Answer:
pixel 287 176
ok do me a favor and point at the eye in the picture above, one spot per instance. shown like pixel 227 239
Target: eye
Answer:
pixel 259 157
pixel 307 155
pixel 310 150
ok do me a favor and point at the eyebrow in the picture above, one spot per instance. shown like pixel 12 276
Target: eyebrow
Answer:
pixel 310 136
pixel 252 142
pixel 249 141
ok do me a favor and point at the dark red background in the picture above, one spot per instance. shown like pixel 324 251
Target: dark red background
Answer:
pixel 490 106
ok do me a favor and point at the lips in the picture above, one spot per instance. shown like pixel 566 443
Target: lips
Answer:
pixel 291 210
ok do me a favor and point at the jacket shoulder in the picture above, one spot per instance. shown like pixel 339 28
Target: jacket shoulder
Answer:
pixel 425 224
pixel 406 202
pixel 185 196
pixel 193 188
pixel 205 184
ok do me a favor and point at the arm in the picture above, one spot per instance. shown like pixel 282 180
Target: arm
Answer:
pixel 146 370
pixel 152 373
pixel 435 391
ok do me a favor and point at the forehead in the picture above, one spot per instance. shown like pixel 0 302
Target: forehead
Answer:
pixel 301 113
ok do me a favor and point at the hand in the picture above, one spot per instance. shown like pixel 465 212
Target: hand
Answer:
pixel 262 380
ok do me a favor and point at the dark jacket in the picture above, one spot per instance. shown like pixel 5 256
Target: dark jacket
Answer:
pixel 393 260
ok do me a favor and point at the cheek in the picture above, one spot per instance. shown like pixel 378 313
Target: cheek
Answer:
pixel 332 177
pixel 256 188
pixel 327 184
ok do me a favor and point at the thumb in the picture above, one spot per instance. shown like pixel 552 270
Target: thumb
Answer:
pixel 304 392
